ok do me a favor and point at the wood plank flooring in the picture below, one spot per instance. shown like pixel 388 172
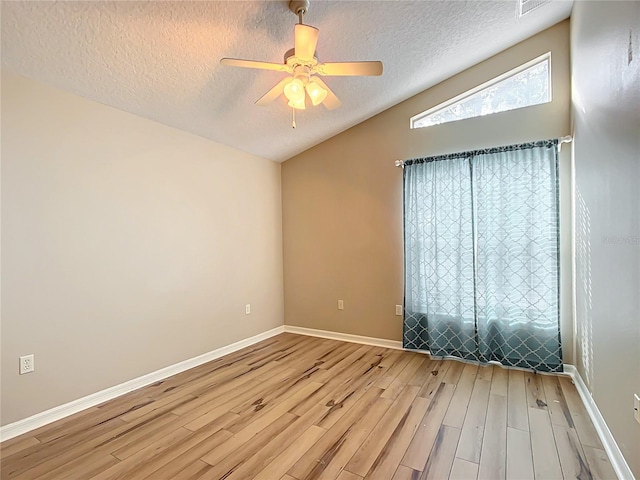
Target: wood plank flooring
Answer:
pixel 297 408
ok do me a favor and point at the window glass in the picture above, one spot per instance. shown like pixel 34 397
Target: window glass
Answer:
pixel 522 87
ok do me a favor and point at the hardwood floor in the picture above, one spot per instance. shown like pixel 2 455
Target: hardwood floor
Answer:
pixel 295 408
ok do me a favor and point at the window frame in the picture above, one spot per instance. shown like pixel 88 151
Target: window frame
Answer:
pixel 489 83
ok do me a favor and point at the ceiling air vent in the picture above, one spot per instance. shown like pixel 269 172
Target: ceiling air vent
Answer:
pixel 528 6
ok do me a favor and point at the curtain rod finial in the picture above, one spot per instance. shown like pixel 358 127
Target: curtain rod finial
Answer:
pixel 565 139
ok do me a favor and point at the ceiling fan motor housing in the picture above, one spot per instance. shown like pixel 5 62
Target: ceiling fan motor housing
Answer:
pixel 303 72
pixel 291 59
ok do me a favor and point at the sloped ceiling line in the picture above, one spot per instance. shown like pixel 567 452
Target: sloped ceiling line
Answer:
pixel 160 60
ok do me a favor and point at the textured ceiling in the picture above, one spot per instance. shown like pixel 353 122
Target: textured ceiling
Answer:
pixel 159 60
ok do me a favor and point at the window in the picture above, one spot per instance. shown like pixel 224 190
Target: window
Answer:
pixel 527 85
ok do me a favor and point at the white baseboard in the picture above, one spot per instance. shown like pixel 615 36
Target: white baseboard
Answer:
pixel 43 418
pixel 345 337
pixel 618 462
pixel 40 419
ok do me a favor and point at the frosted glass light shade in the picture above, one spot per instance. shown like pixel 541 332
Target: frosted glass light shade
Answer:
pixel 294 91
pixel 299 104
pixel 317 94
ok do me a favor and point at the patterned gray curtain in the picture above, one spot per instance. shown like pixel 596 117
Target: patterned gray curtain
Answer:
pixel 481 256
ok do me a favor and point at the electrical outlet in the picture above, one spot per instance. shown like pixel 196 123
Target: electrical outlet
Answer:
pixel 399 310
pixel 27 364
pixel 636 407
pixel 247 309
pixel 340 304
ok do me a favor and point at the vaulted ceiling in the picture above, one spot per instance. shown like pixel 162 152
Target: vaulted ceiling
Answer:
pixel 160 60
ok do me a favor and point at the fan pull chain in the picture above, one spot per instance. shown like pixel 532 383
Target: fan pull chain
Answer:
pixel 293 118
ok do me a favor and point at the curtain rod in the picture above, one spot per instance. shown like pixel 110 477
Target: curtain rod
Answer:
pixel 561 140
pixel 565 139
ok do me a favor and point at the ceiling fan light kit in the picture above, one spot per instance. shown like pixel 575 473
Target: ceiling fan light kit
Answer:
pixel 316 93
pixel 303 67
pixel 294 91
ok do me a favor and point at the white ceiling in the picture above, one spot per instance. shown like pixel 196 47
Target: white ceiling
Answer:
pixel 159 60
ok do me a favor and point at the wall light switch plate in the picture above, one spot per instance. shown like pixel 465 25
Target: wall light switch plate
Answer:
pixel 27 364
pixel 636 407
pixel 247 309
pixel 340 304
pixel 399 310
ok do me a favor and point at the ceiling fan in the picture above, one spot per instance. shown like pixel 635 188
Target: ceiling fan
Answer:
pixel 303 68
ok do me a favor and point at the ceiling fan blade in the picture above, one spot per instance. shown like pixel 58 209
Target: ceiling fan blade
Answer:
pixel 274 93
pixel 237 62
pixel 331 102
pixel 356 69
pixel 306 39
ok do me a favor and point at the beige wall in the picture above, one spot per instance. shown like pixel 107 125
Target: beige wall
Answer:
pixel 342 200
pixel 606 113
pixel 127 246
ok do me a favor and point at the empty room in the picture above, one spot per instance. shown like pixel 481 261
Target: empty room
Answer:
pixel 304 240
